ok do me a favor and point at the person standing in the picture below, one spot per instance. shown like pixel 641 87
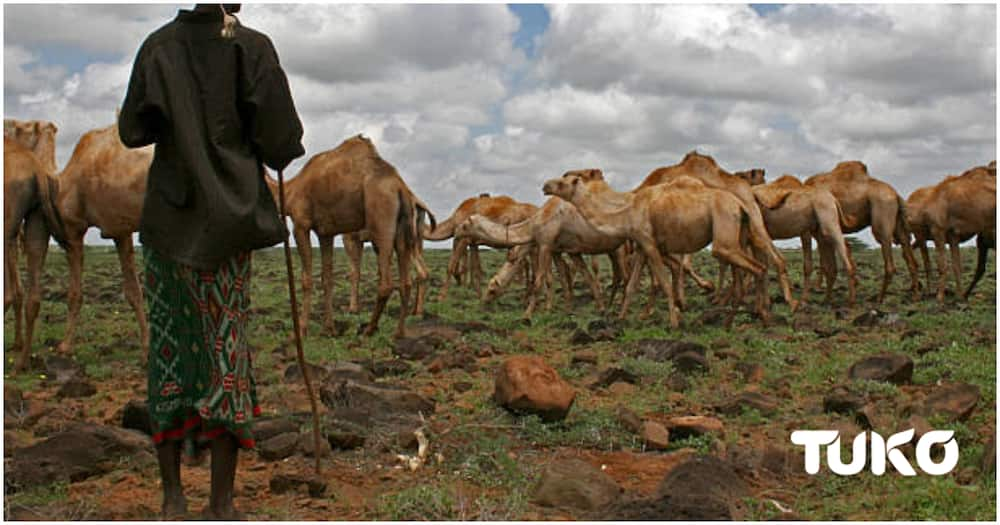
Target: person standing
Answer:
pixel 213 98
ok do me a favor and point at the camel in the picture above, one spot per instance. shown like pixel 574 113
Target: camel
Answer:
pixel 351 189
pixel 557 227
pixel 103 185
pixel 29 192
pixel 501 209
pixel 705 169
pixel 39 136
pixel 915 205
pixel 866 201
pixel 682 217
pixel 791 210
pixel 951 212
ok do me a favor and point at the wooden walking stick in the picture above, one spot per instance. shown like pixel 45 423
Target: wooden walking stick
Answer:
pixel 295 324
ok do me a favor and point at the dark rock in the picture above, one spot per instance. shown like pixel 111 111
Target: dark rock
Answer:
pixel 715 317
pixel 584 357
pixel 684 507
pixel 293 374
pixel 15 407
pixel 373 399
pixel 614 375
pixel 60 369
pixel 628 419
pixel 842 401
pixel 567 325
pixel 307 444
pixel 79 452
pixel 688 362
pixel 580 337
pixel 894 368
pixel 135 416
pixel 283 482
pixel 750 372
pixel 416 348
pixel 870 417
pixel 343 370
pixel 725 354
pixel 666 349
pixel 955 400
pixel 461 386
pixel 76 387
pixel 391 367
pixel 682 427
pixel 528 384
pixel 575 484
pixel 279 447
pixel 750 400
pixel 928 348
pixel 265 428
pixel 343 435
pixel 677 382
pixel 705 476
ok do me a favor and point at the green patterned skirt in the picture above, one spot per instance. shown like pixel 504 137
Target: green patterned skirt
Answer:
pixel 201 383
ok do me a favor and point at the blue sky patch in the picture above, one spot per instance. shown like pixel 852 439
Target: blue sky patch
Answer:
pixel 534 22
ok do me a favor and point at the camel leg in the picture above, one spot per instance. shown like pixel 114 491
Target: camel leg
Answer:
pixel 477 270
pixel 326 279
pixel 983 244
pixel 956 263
pixel 566 272
pixel 656 265
pixel 420 267
pixel 651 303
pixel 720 293
pixel 618 269
pixel 13 296
pixel 457 249
pixel 807 266
pixel 384 242
pixel 354 247
pixel 702 283
pixel 74 296
pixel 542 267
pixel 828 265
pixel 304 246
pixel 909 259
pixel 778 261
pixel 940 242
pixel 133 292
pixel 595 287
pixel 404 256
pixel 677 273
pixel 631 284
pixel 927 260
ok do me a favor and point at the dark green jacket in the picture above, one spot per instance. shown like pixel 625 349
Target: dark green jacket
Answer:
pixel 217 109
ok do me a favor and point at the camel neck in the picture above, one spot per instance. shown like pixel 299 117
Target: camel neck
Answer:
pixel 606 211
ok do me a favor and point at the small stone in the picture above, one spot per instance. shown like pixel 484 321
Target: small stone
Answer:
pixel 611 376
pixel 307 444
pixel 677 382
pixel 391 367
pixel 293 374
pixel 461 386
pixel 842 401
pixel 628 419
pixel 956 401
pixel 750 400
pixel 281 483
pixel 688 426
pixel 278 447
pixel 654 435
pixel 586 357
pixel 265 428
pixel 528 384
pixel 575 484
pixel 580 337
pixel 76 387
pixel 893 368
pixel 751 372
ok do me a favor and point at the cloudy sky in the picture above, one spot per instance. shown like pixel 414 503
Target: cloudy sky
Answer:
pixel 498 98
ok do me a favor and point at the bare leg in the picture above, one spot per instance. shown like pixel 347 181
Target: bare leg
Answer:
pixel 168 453
pixel 225 453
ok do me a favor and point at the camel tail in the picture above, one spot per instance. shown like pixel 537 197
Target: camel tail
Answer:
pixel 983 246
pixel 48 189
pixel 902 225
pixel 424 211
pixel 406 223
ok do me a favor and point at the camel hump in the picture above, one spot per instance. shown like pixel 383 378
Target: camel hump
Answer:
pixel 686 182
pixel 772 196
pixel 853 167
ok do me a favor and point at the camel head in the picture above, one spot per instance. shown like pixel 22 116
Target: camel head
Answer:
pixel 588 175
pixel 568 187
pixel 754 176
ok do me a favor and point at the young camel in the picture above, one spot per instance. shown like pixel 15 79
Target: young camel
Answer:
pixel 705 169
pixel 500 209
pixel 866 201
pixel 678 218
pixel 29 193
pixel 792 210
pixel 952 212
pixel 558 228
pixel 103 185
pixel 915 205
pixel 349 189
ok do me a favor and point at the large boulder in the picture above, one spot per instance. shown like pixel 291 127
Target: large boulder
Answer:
pixel 374 398
pixel 265 428
pixel 575 484
pixel 705 476
pixel 528 384
pixel 79 452
pixel 893 368
pixel 278 447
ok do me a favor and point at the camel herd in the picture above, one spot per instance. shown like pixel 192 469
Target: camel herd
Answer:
pixel 352 191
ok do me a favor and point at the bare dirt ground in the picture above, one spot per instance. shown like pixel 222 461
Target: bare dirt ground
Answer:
pixel 760 382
